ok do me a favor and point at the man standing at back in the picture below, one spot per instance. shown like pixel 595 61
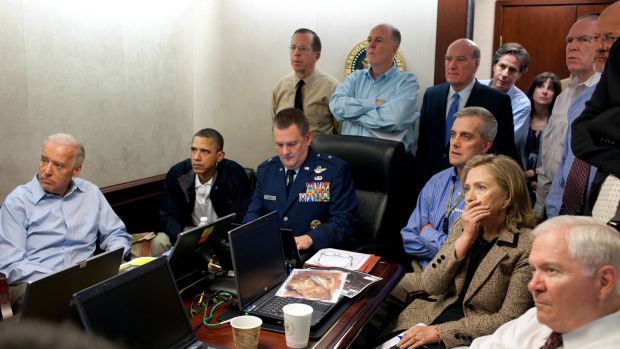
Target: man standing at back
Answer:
pixel 381 101
pixel 580 54
pixel 306 88
pixel 509 63
pixel 441 102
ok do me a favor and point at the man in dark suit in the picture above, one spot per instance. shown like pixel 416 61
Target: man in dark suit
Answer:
pixel 313 193
pixel 596 132
pixel 440 103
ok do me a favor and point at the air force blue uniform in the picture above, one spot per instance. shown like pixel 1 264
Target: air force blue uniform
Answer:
pixel 321 202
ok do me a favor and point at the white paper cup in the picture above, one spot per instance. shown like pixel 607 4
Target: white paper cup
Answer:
pixel 297 319
pixel 246 330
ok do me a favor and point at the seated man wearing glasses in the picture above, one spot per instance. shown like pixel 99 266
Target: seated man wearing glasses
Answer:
pixel 312 192
pixel 306 88
pixel 205 185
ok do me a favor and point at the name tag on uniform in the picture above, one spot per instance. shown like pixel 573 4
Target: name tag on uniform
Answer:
pixel 315 192
pixel 269 197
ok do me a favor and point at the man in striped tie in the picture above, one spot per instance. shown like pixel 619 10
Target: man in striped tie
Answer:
pixel 575 286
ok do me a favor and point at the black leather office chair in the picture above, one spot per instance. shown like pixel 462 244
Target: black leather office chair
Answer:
pixel 385 189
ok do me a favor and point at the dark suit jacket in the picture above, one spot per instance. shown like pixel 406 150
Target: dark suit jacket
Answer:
pixel 596 132
pixel 497 292
pixel 230 193
pixel 432 152
pixel 321 203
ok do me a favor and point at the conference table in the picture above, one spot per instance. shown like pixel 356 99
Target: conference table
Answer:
pixel 340 335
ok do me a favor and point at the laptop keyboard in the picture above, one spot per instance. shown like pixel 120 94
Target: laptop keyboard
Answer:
pixel 273 308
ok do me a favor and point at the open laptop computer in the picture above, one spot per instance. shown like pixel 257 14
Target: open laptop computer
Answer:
pixel 260 269
pixel 292 255
pixel 188 257
pixel 140 308
pixel 51 297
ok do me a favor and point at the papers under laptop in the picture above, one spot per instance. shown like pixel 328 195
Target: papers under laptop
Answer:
pixel 140 308
pixel 260 269
pixel 188 257
pixel 51 297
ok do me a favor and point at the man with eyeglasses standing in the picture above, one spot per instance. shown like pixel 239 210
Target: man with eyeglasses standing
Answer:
pixel 596 133
pixel 306 88
pixel 580 53
pixel 571 192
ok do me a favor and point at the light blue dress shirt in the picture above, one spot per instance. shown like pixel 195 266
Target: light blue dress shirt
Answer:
pixel 353 103
pixel 41 233
pixel 430 209
pixel 521 110
pixel 553 204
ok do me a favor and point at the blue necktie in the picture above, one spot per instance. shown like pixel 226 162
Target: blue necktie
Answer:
pixel 454 107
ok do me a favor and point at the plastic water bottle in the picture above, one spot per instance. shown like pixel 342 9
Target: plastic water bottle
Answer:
pixel 203 221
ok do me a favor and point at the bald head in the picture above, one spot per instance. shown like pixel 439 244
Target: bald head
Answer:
pixel 461 63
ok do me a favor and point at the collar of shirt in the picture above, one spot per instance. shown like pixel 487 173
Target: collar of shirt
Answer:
pixel 388 74
pixel 592 80
pixel 208 183
pixel 586 335
pixel 464 94
pixel 39 194
pixel 308 79
pixel 202 195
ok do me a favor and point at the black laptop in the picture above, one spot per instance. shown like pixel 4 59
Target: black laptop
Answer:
pixel 260 269
pixel 189 256
pixel 51 297
pixel 140 308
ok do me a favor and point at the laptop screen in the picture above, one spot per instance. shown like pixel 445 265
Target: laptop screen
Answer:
pixel 140 308
pixel 51 297
pixel 258 258
pixel 187 254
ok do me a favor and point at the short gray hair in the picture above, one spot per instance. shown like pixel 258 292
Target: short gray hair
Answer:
pixel 67 139
pixel 590 243
pixel 489 123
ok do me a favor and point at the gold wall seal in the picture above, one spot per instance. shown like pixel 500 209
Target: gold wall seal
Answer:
pixel 357 59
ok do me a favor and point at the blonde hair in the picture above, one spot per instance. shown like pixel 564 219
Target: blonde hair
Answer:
pixel 510 178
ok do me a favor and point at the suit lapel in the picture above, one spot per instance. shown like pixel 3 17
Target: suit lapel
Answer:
pixel 441 108
pixel 473 99
pixel 491 261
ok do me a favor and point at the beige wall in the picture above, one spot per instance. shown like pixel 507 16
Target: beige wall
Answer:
pixel 134 79
pixel 484 21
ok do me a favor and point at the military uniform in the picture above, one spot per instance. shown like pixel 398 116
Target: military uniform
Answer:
pixel 321 202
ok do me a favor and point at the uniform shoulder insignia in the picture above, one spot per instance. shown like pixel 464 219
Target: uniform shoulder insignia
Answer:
pixel 271 160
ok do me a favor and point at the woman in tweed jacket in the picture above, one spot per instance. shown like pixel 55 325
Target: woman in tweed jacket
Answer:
pixel 479 277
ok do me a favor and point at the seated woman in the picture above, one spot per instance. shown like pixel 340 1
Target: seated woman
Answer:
pixel 479 276
pixel 542 94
